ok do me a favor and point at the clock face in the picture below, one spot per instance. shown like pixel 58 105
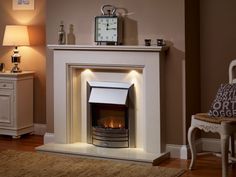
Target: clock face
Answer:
pixel 106 29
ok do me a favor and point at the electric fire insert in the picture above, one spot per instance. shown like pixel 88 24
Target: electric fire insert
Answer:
pixel 111 119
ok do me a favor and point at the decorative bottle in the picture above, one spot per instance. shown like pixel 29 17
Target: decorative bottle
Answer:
pixel 71 36
pixel 61 34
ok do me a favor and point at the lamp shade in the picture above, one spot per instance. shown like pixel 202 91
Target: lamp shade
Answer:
pixel 15 35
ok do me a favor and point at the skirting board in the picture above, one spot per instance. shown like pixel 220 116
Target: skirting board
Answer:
pixel 48 138
pixel 202 145
pixel 39 129
pixel 182 151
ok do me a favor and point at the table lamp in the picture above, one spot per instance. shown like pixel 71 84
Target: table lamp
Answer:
pixel 15 35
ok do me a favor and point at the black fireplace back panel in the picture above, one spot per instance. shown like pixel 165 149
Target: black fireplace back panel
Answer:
pixel 101 113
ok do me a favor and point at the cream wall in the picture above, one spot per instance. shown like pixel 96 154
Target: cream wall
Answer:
pixel 33 57
pixel 144 19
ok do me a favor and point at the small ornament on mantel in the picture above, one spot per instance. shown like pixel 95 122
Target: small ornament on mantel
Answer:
pixel 71 36
pixel 61 34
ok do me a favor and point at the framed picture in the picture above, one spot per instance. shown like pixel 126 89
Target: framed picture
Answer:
pixel 23 4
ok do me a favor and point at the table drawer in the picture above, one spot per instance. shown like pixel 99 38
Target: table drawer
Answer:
pixel 6 85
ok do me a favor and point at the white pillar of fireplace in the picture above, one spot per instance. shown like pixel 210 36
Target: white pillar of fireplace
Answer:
pixel 145 58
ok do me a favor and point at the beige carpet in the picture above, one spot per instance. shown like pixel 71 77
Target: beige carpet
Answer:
pixel 32 164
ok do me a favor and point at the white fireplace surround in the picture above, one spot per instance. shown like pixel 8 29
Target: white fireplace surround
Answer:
pixel 75 65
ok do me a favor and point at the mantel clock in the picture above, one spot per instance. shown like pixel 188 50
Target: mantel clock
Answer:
pixel 108 27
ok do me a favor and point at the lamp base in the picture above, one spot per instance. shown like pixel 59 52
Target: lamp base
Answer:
pixel 16 69
pixel 15 59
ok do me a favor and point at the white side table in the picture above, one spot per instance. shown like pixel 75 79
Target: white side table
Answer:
pixel 16 103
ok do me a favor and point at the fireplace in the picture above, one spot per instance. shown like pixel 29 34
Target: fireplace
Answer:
pixel 75 66
pixel 110 116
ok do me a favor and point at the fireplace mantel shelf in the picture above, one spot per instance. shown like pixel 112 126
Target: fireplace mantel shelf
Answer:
pixel 109 48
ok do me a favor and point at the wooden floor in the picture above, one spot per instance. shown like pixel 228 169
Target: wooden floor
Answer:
pixel 207 165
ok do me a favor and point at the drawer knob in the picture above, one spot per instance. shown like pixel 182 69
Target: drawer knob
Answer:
pixel 4 85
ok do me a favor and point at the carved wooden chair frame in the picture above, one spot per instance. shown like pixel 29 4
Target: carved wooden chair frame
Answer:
pixel 225 127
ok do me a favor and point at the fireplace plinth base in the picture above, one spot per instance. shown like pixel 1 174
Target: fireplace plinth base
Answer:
pixel 89 150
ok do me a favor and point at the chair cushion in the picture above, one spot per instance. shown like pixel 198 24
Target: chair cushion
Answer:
pixel 216 120
pixel 224 104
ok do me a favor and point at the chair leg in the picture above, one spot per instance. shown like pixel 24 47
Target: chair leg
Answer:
pixel 191 141
pixel 232 145
pixel 224 151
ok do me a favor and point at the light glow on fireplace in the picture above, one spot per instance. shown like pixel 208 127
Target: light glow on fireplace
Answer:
pixel 87 75
pixel 133 75
pixel 133 72
pixel 87 72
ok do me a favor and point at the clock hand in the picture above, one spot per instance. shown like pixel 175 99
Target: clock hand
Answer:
pixel 111 28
